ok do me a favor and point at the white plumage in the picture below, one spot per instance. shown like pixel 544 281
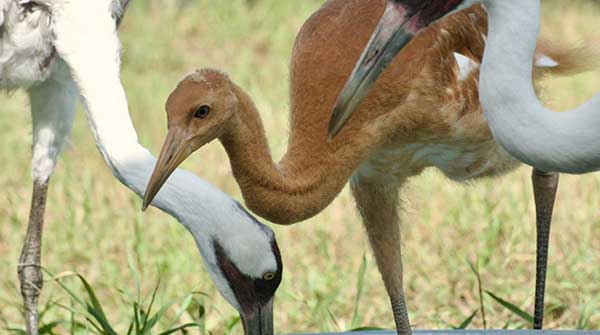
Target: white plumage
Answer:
pixel 62 49
pixel 26 50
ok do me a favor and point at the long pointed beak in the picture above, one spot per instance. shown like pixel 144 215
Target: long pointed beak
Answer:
pixel 390 36
pixel 261 323
pixel 174 151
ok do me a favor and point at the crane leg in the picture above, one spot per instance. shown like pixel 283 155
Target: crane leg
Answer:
pixel 52 113
pixel 29 271
pixel 378 203
pixel 544 188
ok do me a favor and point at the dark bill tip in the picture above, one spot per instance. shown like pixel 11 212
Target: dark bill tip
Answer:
pixel 261 322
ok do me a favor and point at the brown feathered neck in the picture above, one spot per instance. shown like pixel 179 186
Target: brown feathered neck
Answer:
pixel 285 193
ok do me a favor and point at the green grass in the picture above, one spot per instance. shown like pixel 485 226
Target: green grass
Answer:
pixel 95 228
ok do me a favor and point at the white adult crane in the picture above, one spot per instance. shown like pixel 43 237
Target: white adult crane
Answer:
pixel 60 49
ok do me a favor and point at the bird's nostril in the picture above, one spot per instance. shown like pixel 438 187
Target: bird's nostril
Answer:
pixel 372 56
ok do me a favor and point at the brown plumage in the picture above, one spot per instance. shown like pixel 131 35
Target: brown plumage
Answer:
pixel 420 114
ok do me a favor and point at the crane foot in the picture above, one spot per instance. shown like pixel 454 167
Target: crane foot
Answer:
pixel 401 316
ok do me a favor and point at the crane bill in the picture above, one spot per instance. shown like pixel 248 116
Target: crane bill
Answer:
pixel 174 151
pixel 261 323
pixel 394 31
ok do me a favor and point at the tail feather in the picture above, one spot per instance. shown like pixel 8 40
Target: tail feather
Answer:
pixel 556 59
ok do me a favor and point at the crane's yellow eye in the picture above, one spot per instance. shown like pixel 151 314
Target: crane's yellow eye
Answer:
pixel 269 276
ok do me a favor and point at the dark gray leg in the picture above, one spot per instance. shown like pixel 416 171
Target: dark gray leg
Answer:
pixel 30 273
pixel 544 189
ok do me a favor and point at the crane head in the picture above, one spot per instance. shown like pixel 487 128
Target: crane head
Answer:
pixel 200 109
pixel 401 21
pixel 243 259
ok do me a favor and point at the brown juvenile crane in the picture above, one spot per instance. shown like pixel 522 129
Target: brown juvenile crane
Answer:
pixel 406 125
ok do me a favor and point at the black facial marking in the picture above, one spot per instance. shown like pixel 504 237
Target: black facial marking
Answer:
pixel 248 291
pixel 266 288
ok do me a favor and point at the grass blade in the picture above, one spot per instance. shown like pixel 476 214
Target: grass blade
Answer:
pixel 130 329
pixel 158 316
pixel 145 326
pixel 182 327
pixel 334 320
pixel 47 308
pixel 184 306
pixel 231 323
pixel 136 317
pixel 467 321
pixel 66 288
pixel 513 308
pixel 47 328
pixel 94 325
pixel 475 270
pixel 77 299
pixel 365 329
pixel 96 309
pixel 360 283
pixel 584 318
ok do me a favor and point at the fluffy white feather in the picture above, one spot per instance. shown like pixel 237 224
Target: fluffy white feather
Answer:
pixel 466 66
pixel 26 50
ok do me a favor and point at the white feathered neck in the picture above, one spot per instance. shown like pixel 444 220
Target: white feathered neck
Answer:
pixel 554 142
